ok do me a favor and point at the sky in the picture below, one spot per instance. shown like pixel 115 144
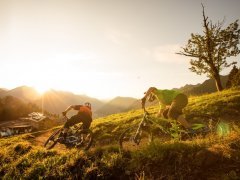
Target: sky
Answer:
pixel 103 48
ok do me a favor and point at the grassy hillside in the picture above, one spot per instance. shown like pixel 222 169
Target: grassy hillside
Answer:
pixel 212 157
pixel 2 91
pixel 219 104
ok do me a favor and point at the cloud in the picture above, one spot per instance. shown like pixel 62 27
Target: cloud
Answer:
pixel 165 54
pixel 73 57
pixel 117 37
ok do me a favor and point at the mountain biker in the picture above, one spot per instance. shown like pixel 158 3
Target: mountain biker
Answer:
pixel 171 104
pixel 83 115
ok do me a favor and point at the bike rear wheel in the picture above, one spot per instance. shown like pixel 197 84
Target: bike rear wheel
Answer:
pixel 85 139
pixel 130 140
pixel 209 123
pixel 202 125
pixel 53 139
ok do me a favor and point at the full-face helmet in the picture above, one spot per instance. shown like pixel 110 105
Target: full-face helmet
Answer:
pixel 88 104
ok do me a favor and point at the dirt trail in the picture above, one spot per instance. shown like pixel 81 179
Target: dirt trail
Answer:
pixel 40 137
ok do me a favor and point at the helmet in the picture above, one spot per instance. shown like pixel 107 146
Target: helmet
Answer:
pixel 88 104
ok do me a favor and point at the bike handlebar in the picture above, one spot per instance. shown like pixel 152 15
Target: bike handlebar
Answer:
pixel 65 117
pixel 145 113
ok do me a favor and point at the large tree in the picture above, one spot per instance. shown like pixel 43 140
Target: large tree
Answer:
pixel 209 52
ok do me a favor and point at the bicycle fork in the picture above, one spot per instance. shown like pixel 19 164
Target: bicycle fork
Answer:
pixel 137 137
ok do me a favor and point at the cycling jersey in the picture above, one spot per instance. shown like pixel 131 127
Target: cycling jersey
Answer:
pixel 165 97
pixel 176 99
pixel 83 110
pixel 84 115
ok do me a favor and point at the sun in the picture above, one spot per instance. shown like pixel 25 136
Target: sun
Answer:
pixel 41 89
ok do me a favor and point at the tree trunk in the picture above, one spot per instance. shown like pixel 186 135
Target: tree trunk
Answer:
pixel 218 83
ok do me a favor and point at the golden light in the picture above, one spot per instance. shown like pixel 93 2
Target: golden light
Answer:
pixel 223 129
pixel 41 89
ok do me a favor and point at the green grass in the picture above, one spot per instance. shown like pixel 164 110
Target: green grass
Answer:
pixel 217 104
pixel 176 159
pixel 210 157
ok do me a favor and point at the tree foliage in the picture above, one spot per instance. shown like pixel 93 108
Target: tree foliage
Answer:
pixel 12 108
pixel 209 52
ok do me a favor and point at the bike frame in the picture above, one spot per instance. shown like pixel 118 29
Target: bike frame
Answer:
pixel 144 120
pixel 139 129
pixel 137 134
pixel 148 120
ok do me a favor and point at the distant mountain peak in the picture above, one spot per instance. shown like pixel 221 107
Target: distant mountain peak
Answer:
pixel 3 89
pixel 25 93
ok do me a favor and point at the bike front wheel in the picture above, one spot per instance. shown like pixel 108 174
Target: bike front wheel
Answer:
pixel 131 139
pixel 53 139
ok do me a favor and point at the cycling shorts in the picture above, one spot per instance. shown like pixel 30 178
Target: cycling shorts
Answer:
pixel 176 107
pixel 86 120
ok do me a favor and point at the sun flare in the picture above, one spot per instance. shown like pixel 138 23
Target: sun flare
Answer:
pixel 41 89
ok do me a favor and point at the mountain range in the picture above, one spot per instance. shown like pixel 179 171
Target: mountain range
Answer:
pixel 57 101
pixel 208 86
pixel 116 105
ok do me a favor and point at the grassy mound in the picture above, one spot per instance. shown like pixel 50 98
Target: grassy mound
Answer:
pixel 217 104
pixel 210 157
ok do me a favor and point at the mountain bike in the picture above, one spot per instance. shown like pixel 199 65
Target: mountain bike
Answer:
pixel 76 137
pixel 149 127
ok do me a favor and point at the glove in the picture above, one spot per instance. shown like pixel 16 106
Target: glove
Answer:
pixel 64 113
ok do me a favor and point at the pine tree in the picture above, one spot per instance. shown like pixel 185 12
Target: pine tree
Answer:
pixel 231 76
pixel 236 79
